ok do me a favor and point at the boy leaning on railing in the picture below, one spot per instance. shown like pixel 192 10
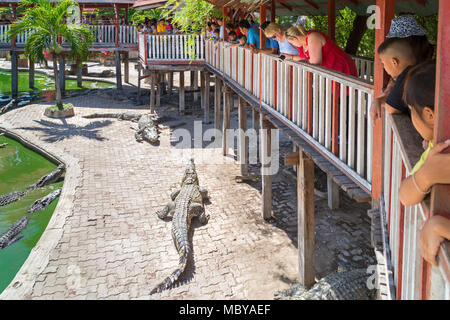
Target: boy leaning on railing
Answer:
pixel 433 166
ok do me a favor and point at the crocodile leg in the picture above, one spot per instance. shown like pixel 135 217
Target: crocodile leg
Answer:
pixel 167 211
pixel 204 193
pixel 196 209
pixel 174 194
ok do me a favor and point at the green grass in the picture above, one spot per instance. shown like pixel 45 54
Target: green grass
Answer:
pixel 20 167
pixel 44 82
pixel 66 106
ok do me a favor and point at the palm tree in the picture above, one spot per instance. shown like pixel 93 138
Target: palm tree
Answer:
pixel 48 23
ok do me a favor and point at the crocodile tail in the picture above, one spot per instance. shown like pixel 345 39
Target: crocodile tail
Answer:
pixel 170 280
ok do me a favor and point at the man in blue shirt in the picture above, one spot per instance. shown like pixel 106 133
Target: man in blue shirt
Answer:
pixel 272 46
pixel 251 33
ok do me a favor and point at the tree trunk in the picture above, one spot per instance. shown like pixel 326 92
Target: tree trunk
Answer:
pixel 57 86
pixel 359 28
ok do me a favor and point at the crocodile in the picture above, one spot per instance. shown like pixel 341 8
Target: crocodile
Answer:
pixel 44 202
pixel 130 116
pixel 3 145
pixel 11 235
pixel 42 182
pixel 147 129
pixel 344 284
pixel 11 105
pixel 186 203
pixel 49 178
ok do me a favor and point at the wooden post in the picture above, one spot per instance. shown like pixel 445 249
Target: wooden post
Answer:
pixel 139 85
pixel 158 89
pixel 386 10
pixel 243 139
pixel 262 18
pixel 170 83
pixel 202 89
pixel 126 68
pixel 116 26
pixel 31 74
pixel 266 166
pixel 207 94
pixel 194 79
pixel 305 206
pixel 440 193
pixel 332 19
pixel 217 102
pixel 333 193
pixel 152 91
pixel 255 119
pixel 79 74
pixel 181 93
pixel 226 118
pixel 272 10
pixel 62 75
pixel 118 71
pixel 14 74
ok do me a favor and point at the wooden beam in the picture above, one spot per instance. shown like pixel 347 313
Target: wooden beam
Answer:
pixel 227 95
pixel 282 3
pixel 217 102
pixel 355 2
pixel 305 207
pixel 181 94
pixel 152 91
pixel 422 2
pixel 206 81
pixel 312 4
pixel 333 193
pixel 272 11
pixel 262 18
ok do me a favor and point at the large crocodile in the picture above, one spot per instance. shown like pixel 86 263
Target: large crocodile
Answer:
pixel 147 129
pixel 186 203
pixel 11 235
pixel 341 285
pixel 130 116
pixel 42 182
pixel 43 203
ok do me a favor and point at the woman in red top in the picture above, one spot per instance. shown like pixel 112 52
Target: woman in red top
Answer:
pixel 318 48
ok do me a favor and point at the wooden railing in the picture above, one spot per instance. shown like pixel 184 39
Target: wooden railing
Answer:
pixel 365 68
pixel 402 149
pixel 329 109
pixel 103 35
pixel 177 47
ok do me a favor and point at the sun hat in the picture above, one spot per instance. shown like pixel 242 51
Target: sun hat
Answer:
pixel 405 26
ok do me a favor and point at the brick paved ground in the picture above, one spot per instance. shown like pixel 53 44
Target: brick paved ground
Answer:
pixel 105 242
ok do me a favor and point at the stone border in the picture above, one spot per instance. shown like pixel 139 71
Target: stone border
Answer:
pixel 22 285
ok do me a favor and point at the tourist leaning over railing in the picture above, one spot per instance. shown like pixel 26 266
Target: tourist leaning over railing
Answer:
pixel 274 32
pixel 272 46
pixel 317 48
pixel 412 47
pixel 251 33
pixel 433 166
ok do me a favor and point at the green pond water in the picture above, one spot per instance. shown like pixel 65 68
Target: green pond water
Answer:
pixel 20 167
pixel 43 82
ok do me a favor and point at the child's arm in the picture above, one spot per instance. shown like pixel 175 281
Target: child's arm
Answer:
pixel 433 232
pixel 435 170
pixel 375 108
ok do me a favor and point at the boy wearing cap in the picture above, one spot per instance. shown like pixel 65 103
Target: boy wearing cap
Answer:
pixel 397 57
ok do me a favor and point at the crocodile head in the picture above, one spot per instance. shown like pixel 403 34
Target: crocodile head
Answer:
pixel 190 175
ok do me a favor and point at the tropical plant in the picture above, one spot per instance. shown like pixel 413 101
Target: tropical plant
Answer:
pixel 48 22
pixel 140 16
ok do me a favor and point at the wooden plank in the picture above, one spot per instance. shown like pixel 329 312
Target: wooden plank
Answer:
pixel 291 159
pixel 305 203
pixel 217 102
pixel 118 71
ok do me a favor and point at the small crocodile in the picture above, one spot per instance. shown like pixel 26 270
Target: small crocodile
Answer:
pixel 186 203
pixel 11 235
pixel 42 182
pixel 3 145
pixel 11 105
pixel 49 178
pixel 44 202
pixel 147 129
pixel 341 285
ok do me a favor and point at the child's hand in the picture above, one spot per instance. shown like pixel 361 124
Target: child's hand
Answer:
pixel 436 169
pixel 430 240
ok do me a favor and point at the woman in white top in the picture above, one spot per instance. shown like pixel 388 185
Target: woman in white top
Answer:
pixel 275 32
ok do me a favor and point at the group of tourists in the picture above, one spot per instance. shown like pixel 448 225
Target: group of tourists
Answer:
pixel 407 56
pixel 153 26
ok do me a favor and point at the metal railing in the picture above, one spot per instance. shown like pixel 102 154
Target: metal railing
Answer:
pixel 404 222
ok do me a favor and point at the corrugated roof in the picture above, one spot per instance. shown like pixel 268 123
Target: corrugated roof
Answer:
pixel 320 7
pixel 148 4
pixel 105 2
